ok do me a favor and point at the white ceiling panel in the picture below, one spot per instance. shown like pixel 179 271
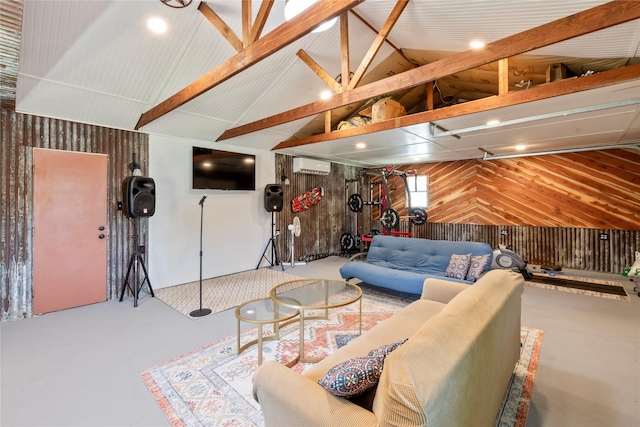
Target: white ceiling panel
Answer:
pixel 94 61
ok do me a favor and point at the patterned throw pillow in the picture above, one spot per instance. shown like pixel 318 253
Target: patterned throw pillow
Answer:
pixel 458 266
pixel 353 377
pixel 477 266
pixel 356 376
pixel 384 350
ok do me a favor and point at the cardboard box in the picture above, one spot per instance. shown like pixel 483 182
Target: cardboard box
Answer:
pixel 386 109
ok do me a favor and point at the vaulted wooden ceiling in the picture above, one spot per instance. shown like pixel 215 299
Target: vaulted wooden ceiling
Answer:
pixel 235 71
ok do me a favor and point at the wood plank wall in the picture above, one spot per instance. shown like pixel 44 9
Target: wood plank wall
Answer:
pixel 553 207
pixel 21 132
pixel 324 223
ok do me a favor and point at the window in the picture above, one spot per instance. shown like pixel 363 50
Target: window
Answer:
pixel 419 196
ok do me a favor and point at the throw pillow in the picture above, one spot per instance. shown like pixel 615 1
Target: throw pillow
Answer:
pixel 458 266
pixel 353 377
pixel 477 266
pixel 384 350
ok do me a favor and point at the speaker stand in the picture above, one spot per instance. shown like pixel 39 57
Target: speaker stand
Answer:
pixel 275 256
pixel 135 262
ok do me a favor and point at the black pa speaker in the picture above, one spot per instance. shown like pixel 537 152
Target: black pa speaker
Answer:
pixel 273 198
pixel 138 197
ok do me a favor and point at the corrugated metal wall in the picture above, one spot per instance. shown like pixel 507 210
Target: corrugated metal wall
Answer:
pixel 19 134
pixel 323 223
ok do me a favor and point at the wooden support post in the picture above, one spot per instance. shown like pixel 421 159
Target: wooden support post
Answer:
pixel 344 50
pixel 503 76
pixel 430 104
pixel 327 121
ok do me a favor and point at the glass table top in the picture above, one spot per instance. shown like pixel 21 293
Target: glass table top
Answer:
pixel 315 293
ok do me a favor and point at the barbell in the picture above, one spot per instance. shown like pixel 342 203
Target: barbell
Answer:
pixel 390 217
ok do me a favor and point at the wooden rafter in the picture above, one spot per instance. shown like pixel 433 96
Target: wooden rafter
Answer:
pixel 345 69
pixel 272 42
pixel 261 19
pixel 321 72
pixel 559 88
pixel 377 42
pixel 246 23
pixel 588 21
pixel 221 26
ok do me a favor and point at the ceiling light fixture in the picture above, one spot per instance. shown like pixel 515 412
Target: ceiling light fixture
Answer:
pixel 177 4
pixel 361 145
pixel 493 122
pixel 326 94
pixel 293 8
pixel 520 147
pixel 476 44
pixel 157 25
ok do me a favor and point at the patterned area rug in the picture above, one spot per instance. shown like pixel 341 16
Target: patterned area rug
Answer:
pixel 222 293
pixel 546 282
pixel 212 386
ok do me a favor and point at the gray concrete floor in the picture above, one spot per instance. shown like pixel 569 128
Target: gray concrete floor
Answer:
pixel 81 367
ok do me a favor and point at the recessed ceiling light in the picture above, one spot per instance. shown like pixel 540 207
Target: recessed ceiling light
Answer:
pixel 417 159
pixel 493 122
pixel 476 44
pixel 520 147
pixel 157 25
pixel 326 94
pixel 361 145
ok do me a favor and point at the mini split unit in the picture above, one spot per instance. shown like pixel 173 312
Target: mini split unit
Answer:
pixel 311 166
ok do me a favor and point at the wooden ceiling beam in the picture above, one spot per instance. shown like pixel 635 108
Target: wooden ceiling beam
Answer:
pixel 264 47
pixel 588 21
pixel 377 42
pixel 345 69
pixel 261 20
pixel 321 72
pixel 246 23
pixel 537 93
pixel 221 26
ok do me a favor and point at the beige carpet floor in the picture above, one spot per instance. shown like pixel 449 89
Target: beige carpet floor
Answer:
pixel 224 292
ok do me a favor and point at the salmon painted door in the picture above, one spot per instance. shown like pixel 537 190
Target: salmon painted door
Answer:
pixel 69 246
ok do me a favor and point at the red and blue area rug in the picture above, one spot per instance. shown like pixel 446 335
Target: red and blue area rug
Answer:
pixel 212 385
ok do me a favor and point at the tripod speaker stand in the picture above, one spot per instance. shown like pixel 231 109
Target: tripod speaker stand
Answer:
pixel 275 256
pixel 135 262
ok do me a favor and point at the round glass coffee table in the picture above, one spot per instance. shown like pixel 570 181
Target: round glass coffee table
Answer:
pixel 317 295
pixel 263 311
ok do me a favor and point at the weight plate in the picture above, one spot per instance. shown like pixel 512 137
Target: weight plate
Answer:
pixel 375 232
pixel 347 242
pixel 418 216
pixel 389 218
pixel 355 203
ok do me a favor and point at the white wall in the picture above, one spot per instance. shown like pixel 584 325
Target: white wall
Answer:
pixel 236 225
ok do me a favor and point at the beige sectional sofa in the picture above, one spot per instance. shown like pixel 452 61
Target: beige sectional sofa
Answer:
pixel 464 342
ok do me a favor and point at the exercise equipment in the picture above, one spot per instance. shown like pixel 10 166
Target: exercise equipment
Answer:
pixel 506 259
pixel 347 242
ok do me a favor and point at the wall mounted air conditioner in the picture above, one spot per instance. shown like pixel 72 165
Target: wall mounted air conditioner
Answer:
pixel 311 166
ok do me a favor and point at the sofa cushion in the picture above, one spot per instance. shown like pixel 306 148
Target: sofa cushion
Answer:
pixel 458 266
pixel 353 377
pixel 479 264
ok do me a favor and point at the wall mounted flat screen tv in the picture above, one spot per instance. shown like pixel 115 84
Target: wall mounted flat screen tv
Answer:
pixel 223 170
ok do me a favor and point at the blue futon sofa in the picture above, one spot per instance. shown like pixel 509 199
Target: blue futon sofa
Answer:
pixel 403 264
